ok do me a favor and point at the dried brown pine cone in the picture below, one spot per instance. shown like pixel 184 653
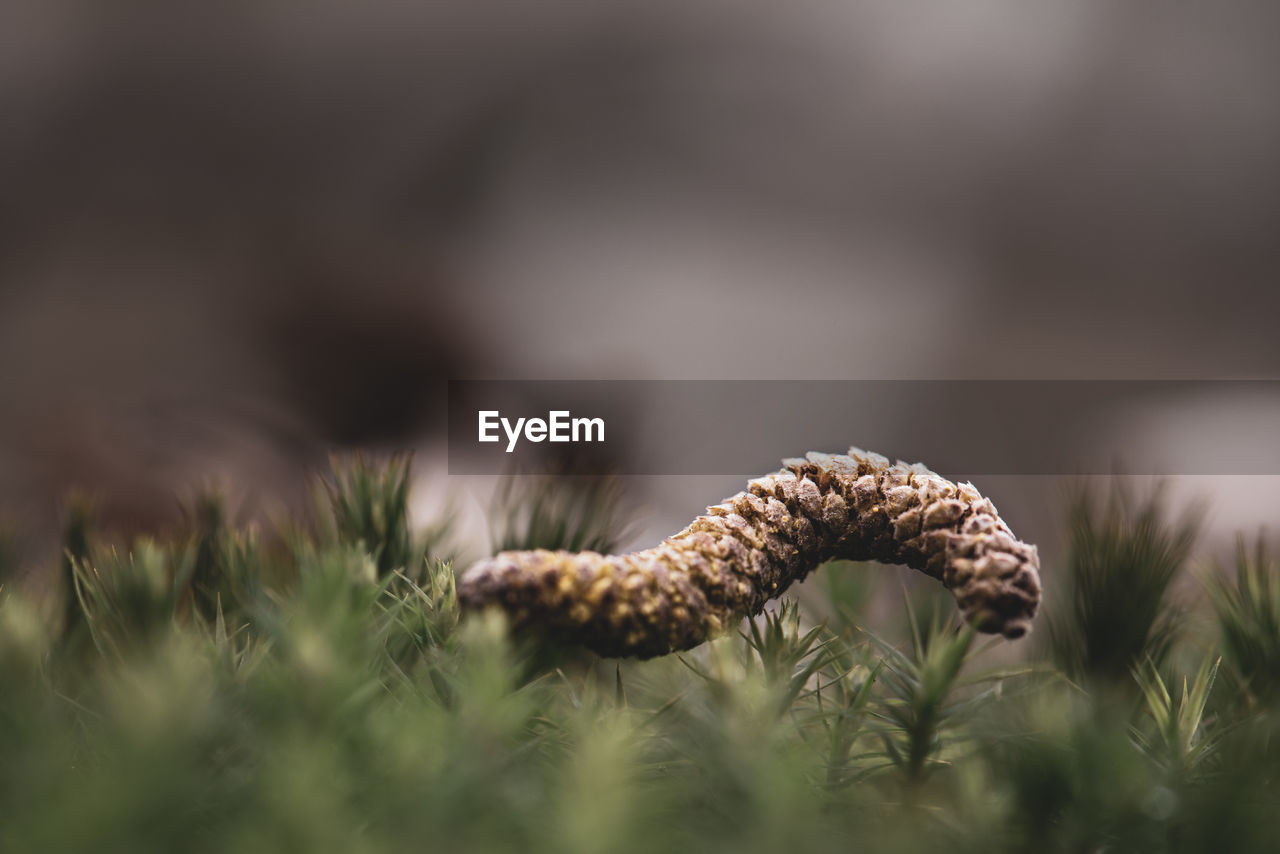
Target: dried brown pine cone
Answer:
pixel 749 548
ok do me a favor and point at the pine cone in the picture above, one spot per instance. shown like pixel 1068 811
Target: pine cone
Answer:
pixel 751 547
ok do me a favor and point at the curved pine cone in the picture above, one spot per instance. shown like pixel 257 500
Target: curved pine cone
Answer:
pixel 749 548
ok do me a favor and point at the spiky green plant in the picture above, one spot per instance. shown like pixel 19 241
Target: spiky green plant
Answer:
pixel 575 513
pixel 75 549
pixel 1066 775
pixel 370 510
pixel 843 705
pixel 789 658
pixel 129 599
pixel 1248 616
pixel 919 700
pixel 1124 554
pixel 1177 741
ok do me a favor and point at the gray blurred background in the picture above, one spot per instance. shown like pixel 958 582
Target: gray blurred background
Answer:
pixel 235 236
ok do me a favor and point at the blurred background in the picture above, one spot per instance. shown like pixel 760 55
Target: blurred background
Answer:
pixel 236 237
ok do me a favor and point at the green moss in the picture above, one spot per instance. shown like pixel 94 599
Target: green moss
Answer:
pixel 323 693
